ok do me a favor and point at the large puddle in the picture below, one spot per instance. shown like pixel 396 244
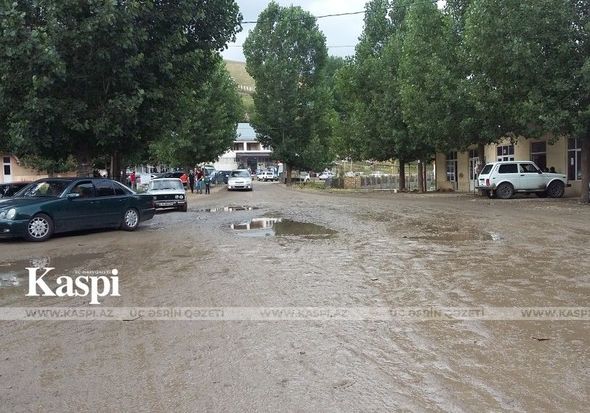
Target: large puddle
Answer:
pixel 230 209
pixel 268 227
pixel 15 273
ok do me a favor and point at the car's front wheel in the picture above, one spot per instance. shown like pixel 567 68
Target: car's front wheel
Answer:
pixel 183 208
pixel 39 228
pixel 130 220
pixel 504 190
pixel 556 189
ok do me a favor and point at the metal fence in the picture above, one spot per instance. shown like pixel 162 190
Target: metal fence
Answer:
pixel 381 183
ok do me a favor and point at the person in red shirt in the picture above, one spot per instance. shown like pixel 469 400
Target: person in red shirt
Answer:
pixel 132 180
pixel 184 179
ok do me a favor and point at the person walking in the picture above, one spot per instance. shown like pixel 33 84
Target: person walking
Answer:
pixel 191 181
pixel 207 180
pixel 132 179
pixel 200 181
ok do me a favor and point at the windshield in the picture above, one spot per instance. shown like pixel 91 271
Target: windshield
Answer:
pixel 241 174
pixel 166 184
pixel 44 188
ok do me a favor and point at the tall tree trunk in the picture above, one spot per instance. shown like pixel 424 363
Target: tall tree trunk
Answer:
pixel 402 175
pixel 83 161
pixel 420 176
pixel 116 166
pixel 288 177
pixel 481 153
pixel 585 168
pixel 425 176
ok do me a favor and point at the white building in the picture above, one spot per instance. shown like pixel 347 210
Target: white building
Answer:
pixel 246 152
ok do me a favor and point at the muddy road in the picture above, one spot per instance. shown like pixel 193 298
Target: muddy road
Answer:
pixel 292 248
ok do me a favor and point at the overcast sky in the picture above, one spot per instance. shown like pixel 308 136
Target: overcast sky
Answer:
pixel 339 31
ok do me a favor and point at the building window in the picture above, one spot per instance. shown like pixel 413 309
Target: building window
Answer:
pixel 452 166
pixel 574 159
pixel 505 153
pixel 539 154
pixel 6 164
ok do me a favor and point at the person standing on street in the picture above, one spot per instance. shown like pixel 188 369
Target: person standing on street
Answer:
pixel 191 181
pixel 132 179
pixel 207 180
pixel 200 181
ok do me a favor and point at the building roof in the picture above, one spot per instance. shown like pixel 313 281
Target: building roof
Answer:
pixel 245 133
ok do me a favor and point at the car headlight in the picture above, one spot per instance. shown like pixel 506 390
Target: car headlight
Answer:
pixel 180 196
pixel 8 214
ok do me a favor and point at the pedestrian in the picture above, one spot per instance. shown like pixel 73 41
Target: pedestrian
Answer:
pixel 132 179
pixel 191 181
pixel 207 180
pixel 200 181
pixel 184 179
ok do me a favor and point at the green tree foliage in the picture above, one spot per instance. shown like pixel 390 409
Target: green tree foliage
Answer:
pixel 95 78
pixel 372 117
pixel 206 127
pixel 286 54
pixel 526 58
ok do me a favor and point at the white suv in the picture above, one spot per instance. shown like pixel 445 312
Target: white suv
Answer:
pixel 503 179
pixel 268 176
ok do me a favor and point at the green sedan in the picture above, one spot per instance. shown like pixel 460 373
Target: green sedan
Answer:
pixel 53 205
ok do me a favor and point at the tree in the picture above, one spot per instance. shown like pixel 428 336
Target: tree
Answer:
pixel 373 119
pixel 206 128
pixel 96 78
pixel 427 83
pixel 530 85
pixel 285 55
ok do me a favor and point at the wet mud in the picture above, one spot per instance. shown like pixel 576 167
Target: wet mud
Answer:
pixel 317 250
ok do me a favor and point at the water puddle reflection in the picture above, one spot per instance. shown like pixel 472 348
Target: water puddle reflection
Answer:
pixel 267 227
pixel 14 273
pixel 230 209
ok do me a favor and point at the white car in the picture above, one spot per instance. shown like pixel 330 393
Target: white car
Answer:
pixel 168 193
pixel 326 175
pixel 268 176
pixel 503 179
pixel 239 179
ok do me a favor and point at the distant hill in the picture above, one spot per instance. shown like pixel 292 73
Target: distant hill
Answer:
pixel 237 70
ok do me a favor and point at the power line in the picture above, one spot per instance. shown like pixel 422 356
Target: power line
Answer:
pixel 317 17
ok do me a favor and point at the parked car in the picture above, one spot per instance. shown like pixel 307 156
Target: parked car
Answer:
pixel 53 205
pixel 183 176
pixel 504 179
pixel 268 176
pixel 239 179
pixel 326 175
pixel 9 189
pixel 224 175
pixel 168 193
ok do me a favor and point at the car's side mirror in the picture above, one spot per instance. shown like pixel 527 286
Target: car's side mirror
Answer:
pixel 73 195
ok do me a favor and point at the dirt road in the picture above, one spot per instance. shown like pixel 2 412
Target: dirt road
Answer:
pixel 370 251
